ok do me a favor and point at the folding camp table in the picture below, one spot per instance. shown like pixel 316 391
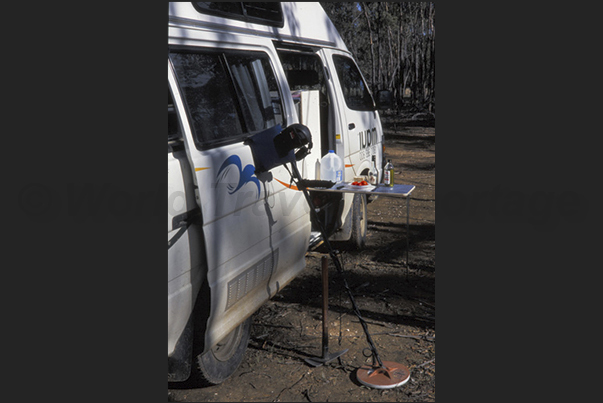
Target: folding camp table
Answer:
pixel 382 190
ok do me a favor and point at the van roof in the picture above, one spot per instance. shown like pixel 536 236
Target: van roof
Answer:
pixel 302 23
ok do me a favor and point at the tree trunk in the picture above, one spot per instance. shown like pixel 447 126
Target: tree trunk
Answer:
pixel 368 22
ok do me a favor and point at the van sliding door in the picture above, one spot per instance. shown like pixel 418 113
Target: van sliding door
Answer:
pixel 310 90
pixel 255 239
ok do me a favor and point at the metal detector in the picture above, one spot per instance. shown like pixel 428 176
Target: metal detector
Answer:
pixel 273 147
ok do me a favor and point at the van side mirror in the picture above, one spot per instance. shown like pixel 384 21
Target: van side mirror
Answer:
pixel 385 99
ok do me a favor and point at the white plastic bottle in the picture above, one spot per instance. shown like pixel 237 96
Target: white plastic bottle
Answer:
pixel 331 167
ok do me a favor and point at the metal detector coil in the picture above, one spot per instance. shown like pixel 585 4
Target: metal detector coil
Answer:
pixel 390 375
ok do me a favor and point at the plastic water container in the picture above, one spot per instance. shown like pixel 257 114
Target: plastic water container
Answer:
pixel 331 167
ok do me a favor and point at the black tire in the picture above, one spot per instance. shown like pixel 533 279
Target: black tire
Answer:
pixel 220 362
pixel 359 224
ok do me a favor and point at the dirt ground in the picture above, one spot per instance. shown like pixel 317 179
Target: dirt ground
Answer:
pixel 397 302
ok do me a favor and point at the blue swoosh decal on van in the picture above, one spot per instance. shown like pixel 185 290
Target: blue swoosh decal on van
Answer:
pixel 246 174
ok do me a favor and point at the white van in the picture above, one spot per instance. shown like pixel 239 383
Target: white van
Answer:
pixel 237 236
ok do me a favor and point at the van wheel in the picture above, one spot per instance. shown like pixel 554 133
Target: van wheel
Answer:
pixel 219 363
pixel 359 224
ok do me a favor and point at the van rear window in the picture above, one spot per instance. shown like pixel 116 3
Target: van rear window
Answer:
pixel 228 94
pixel 265 13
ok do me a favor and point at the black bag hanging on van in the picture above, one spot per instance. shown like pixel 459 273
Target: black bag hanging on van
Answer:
pixel 273 147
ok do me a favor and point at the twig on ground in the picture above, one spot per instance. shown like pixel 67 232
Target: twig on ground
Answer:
pixel 421 337
pixel 427 362
pixel 270 325
pixel 422 301
pixel 429 318
pixel 370 322
pixel 290 387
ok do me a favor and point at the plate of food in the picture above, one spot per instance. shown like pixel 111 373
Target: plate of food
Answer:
pixel 360 185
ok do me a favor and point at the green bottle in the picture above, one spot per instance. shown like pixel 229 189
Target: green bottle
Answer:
pixel 388 174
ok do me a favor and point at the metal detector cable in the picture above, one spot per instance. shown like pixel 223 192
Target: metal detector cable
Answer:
pixel 338 265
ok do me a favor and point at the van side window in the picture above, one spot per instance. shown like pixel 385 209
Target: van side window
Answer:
pixel 355 90
pixel 228 94
pixel 257 91
pixel 265 13
pixel 303 71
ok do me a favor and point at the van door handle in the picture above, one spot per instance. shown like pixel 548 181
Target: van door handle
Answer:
pixel 351 126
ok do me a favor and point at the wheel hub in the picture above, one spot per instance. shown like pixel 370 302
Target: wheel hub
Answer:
pixel 226 348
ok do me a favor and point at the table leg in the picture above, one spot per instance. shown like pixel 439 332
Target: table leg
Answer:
pixel 407 230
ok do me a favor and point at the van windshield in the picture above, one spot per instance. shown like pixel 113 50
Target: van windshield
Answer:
pixel 355 90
